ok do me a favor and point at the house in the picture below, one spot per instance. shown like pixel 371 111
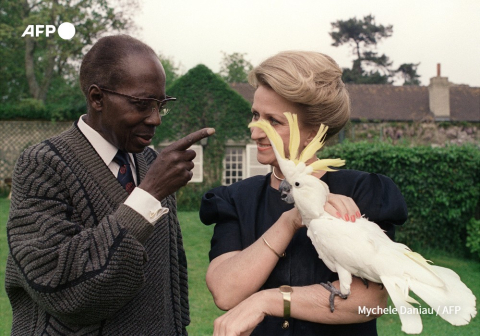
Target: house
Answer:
pixel 380 107
pixel 439 101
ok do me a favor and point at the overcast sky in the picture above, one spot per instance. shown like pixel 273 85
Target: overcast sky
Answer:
pixel 424 31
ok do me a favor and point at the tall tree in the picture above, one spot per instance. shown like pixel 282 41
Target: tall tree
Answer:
pixel 12 54
pixel 363 36
pixel 408 72
pixel 48 59
pixel 235 68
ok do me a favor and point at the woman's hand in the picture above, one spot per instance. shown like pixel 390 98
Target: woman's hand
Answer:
pixel 241 320
pixel 293 217
pixel 342 207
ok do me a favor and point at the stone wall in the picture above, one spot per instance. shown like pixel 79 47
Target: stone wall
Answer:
pixel 415 133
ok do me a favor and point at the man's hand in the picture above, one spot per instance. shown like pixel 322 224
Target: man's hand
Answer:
pixel 172 169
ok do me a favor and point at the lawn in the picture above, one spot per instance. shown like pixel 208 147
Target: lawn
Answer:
pixel 203 311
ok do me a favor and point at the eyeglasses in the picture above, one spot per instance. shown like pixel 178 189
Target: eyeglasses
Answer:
pixel 142 104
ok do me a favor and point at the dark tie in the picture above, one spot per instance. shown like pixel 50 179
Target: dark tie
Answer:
pixel 125 176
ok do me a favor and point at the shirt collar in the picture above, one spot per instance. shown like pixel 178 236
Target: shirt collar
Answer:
pixel 104 148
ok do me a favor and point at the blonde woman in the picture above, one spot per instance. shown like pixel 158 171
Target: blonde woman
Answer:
pixel 259 243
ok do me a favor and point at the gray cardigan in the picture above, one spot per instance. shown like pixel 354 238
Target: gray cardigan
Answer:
pixel 81 262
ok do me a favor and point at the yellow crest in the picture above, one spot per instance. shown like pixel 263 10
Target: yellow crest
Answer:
pixel 308 152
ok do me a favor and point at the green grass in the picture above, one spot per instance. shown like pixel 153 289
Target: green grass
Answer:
pixel 5 309
pixel 203 311
pixel 196 239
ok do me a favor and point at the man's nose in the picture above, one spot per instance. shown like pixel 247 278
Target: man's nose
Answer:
pixel 154 119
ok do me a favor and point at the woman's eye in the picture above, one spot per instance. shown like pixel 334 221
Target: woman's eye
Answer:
pixel 274 122
pixel 255 116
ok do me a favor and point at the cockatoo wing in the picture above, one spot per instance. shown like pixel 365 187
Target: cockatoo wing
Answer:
pixel 454 302
pixel 410 318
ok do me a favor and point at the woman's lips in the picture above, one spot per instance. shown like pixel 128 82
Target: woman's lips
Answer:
pixel 263 147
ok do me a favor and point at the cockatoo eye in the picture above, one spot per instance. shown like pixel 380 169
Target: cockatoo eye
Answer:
pixel 297 184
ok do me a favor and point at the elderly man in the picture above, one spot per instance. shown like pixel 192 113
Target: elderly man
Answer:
pixel 95 244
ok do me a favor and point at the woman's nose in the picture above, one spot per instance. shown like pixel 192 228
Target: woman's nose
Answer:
pixel 257 133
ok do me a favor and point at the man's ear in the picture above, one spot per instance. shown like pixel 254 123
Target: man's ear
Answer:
pixel 95 98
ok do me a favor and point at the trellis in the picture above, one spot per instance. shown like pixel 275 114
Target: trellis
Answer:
pixel 16 136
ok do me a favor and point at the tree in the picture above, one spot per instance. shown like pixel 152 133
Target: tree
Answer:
pixel 361 34
pixel 408 72
pixel 363 37
pixel 235 68
pixel 172 70
pixel 52 59
pixel 12 67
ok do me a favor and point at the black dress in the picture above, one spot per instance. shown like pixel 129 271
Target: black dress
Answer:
pixel 243 212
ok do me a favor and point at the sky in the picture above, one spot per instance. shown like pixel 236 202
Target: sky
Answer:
pixel 428 32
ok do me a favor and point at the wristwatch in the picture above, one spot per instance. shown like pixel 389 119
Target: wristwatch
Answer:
pixel 287 297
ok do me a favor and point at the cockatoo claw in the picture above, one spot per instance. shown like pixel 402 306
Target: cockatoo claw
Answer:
pixel 365 282
pixel 333 291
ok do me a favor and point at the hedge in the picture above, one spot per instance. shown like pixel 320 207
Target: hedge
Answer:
pixel 33 109
pixel 441 187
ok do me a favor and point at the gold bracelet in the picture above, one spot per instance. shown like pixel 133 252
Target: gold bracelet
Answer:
pixel 271 248
pixel 287 298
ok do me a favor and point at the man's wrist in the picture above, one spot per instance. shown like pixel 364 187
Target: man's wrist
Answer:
pixel 146 205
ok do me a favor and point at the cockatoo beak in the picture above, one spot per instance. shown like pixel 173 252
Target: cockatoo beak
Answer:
pixel 285 189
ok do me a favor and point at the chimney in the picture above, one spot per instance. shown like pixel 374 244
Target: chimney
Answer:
pixel 439 96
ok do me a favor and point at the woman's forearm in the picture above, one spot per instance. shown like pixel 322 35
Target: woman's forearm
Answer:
pixel 234 276
pixel 311 303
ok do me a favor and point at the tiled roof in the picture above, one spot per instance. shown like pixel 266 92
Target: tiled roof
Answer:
pixel 399 103
pixel 388 102
pixel 465 103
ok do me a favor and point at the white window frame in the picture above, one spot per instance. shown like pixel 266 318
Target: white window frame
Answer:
pixel 253 167
pixel 240 155
pixel 198 162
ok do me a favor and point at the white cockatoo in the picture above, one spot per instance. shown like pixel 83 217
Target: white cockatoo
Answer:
pixel 362 248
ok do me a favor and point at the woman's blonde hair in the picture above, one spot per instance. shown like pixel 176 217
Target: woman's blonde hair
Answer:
pixel 311 79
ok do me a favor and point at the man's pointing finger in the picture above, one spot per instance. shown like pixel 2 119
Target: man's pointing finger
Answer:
pixel 185 142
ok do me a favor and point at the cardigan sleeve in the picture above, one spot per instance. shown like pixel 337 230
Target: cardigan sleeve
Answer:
pixel 79 268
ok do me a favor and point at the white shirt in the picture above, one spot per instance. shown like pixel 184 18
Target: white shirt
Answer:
pixel 139 200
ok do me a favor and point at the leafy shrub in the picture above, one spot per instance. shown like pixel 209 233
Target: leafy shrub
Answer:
pixel 28 108
pixel 473 237
pixel 33 109
pixel 190 196
pixel 441 187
